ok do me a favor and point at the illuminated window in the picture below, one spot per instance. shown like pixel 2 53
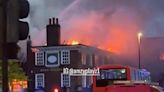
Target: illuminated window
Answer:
pixel 65 57
pixel 25 84
pixel 65 80
pixel 39 80
pixel 39 58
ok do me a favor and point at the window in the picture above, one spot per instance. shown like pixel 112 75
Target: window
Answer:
pixel 65 57
pixel 39 80
pixel 65 80
pixel 112 74
pixel 39 58
pixel 89 81
pixel 107 76
pixel 84 83
pixel 96 58
pixel 89 60
pixel 83 59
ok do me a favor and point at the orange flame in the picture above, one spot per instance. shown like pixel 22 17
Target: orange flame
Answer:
pixel 110 49
pixel 74 42
pixel 77 41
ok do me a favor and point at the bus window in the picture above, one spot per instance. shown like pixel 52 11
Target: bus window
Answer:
pixel 140 76
pixel 108 76
pixel 113 74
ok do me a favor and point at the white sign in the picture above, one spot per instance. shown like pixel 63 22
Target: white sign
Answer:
pixel 81 72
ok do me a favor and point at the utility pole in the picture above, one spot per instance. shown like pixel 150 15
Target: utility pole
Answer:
pixel 4 45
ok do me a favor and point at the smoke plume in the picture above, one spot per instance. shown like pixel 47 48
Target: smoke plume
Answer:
pixel 108 24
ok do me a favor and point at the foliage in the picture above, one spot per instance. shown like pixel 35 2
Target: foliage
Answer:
pixel 14 71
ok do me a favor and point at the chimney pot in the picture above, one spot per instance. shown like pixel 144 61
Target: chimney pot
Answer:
pixel 57 21
pixel 49 21
pixel 53 20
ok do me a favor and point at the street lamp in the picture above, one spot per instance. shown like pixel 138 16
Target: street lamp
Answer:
pixel 139 35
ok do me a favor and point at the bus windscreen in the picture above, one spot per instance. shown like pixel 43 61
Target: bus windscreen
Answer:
pixel 112 74
pixel 107 76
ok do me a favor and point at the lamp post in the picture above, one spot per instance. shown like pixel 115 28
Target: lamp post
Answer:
pixel 139 35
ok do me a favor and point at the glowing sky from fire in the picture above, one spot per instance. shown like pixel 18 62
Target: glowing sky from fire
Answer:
pixel 94 29
pixel 107 24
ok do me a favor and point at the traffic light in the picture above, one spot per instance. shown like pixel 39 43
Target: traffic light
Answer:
pixel 11 11
pixel 16 29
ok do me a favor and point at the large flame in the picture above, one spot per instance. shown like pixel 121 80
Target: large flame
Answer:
pixel 107 48
pixel 75 42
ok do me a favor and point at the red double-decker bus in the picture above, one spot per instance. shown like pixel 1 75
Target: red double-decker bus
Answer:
pixel 111 73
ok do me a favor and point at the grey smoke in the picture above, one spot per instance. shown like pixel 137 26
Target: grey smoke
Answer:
pixel 131 16
pixel 40 12
pixel 146 16
pixel 150 13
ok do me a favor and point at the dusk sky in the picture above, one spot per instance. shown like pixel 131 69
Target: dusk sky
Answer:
pixel 107 24
pixel 149 12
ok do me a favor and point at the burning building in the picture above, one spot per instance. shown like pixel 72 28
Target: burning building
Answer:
pixel 45 64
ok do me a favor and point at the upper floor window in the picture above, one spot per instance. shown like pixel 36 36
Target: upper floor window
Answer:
pixel 83 59
pixel 39 58
pixel 65 57
pixel 89 60
pixel 97 60
pixel 39 80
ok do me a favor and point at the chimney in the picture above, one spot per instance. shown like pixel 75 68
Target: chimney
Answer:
pixel 50 22
pixel 53 32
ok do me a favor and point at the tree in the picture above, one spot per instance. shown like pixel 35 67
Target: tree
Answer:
pixel 14 71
